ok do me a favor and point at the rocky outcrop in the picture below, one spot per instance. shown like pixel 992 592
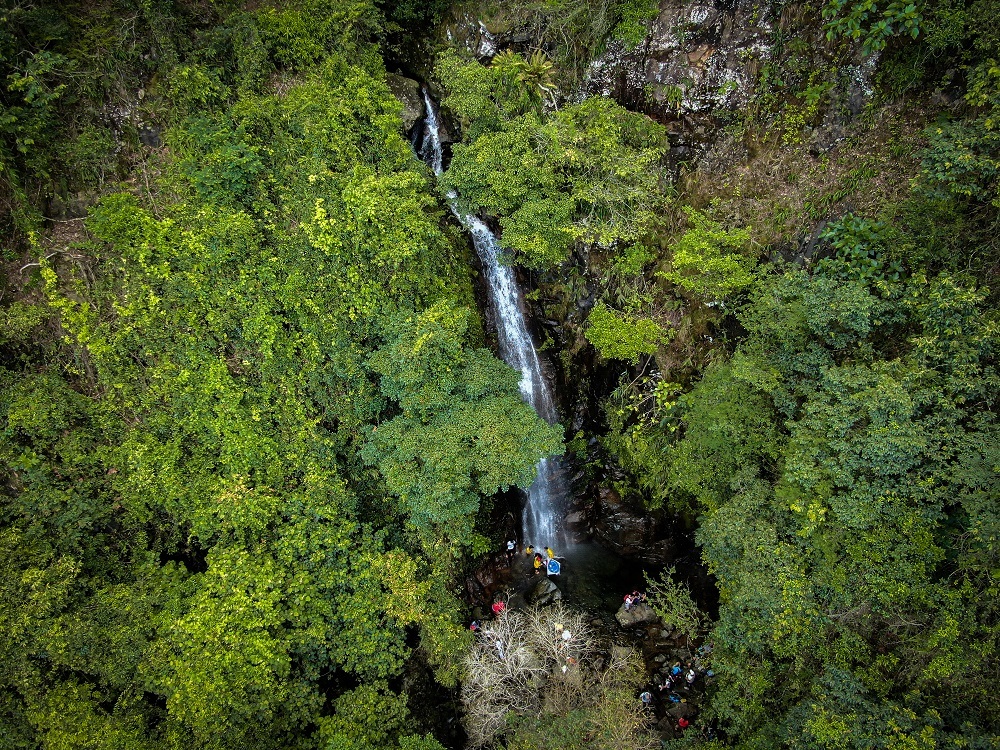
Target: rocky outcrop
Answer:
pixel 72 206
pixel 544 592
pixel 637 614
pixel 704 59
pixel 697 57
pixel 627 532
pixel 408 92
pixel 682 711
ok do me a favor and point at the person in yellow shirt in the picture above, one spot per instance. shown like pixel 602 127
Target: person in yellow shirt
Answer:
pixel 549 552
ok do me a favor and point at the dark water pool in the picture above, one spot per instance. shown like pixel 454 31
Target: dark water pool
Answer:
pixel 596 579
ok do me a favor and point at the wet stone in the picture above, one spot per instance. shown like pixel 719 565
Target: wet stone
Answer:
pixel 638 614
pixel 407 91
pixel 544 592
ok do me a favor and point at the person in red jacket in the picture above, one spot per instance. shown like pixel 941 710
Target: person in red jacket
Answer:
pixel 499 607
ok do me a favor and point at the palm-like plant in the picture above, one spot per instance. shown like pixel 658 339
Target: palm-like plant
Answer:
pixel 533 77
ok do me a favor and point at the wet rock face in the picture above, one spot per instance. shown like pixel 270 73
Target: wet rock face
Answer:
pixel 73 206
pixel 627 532
pixel 704 59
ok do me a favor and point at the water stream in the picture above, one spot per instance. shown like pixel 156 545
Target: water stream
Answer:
pixel 542 512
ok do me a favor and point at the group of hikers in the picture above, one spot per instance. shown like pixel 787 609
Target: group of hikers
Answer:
pixel 680 679
pixel 547 563
pixel 676 684
pixel 636 597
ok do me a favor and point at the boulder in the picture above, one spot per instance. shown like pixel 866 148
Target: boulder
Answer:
pixel 73 206
pixel 639 614
pixel 544 592
pixel 666 727
pixel 150 135
pixel 410 96
pixel 620 529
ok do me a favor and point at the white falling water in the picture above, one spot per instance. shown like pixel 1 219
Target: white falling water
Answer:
pixel 541 512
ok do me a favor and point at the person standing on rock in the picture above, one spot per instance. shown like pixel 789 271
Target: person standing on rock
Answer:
pixel 511 548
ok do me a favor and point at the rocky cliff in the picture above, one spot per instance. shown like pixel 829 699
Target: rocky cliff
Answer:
pixel 703 65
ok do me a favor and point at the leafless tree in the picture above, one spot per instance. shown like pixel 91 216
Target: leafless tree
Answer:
pixel 501 672
pixel 541 661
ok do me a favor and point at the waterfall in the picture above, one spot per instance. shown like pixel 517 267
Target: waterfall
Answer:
pixel 541 512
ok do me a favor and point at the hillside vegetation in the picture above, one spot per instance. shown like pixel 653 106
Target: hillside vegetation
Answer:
pixel 252 432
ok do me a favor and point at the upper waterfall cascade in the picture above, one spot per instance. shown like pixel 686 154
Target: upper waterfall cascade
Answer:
pixel 542 510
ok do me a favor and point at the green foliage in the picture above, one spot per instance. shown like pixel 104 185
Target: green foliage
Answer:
pixel 640 413
pixel 634 16
pixel 532 75
pixel 871 23
pixel 710 261
pixel 19 322
pixel 464 430
pixel 831 461
pixel 193 88
pixel 963 157
pixel 300 35
pixel 583 176
pixel 484 97
pixel 206 541
pixel 29 117
pixel 572 32
pixel 368 717
pixel 618 336
pixel 92 155
pixel 860 248
pixel 228 669
pixel 673 604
